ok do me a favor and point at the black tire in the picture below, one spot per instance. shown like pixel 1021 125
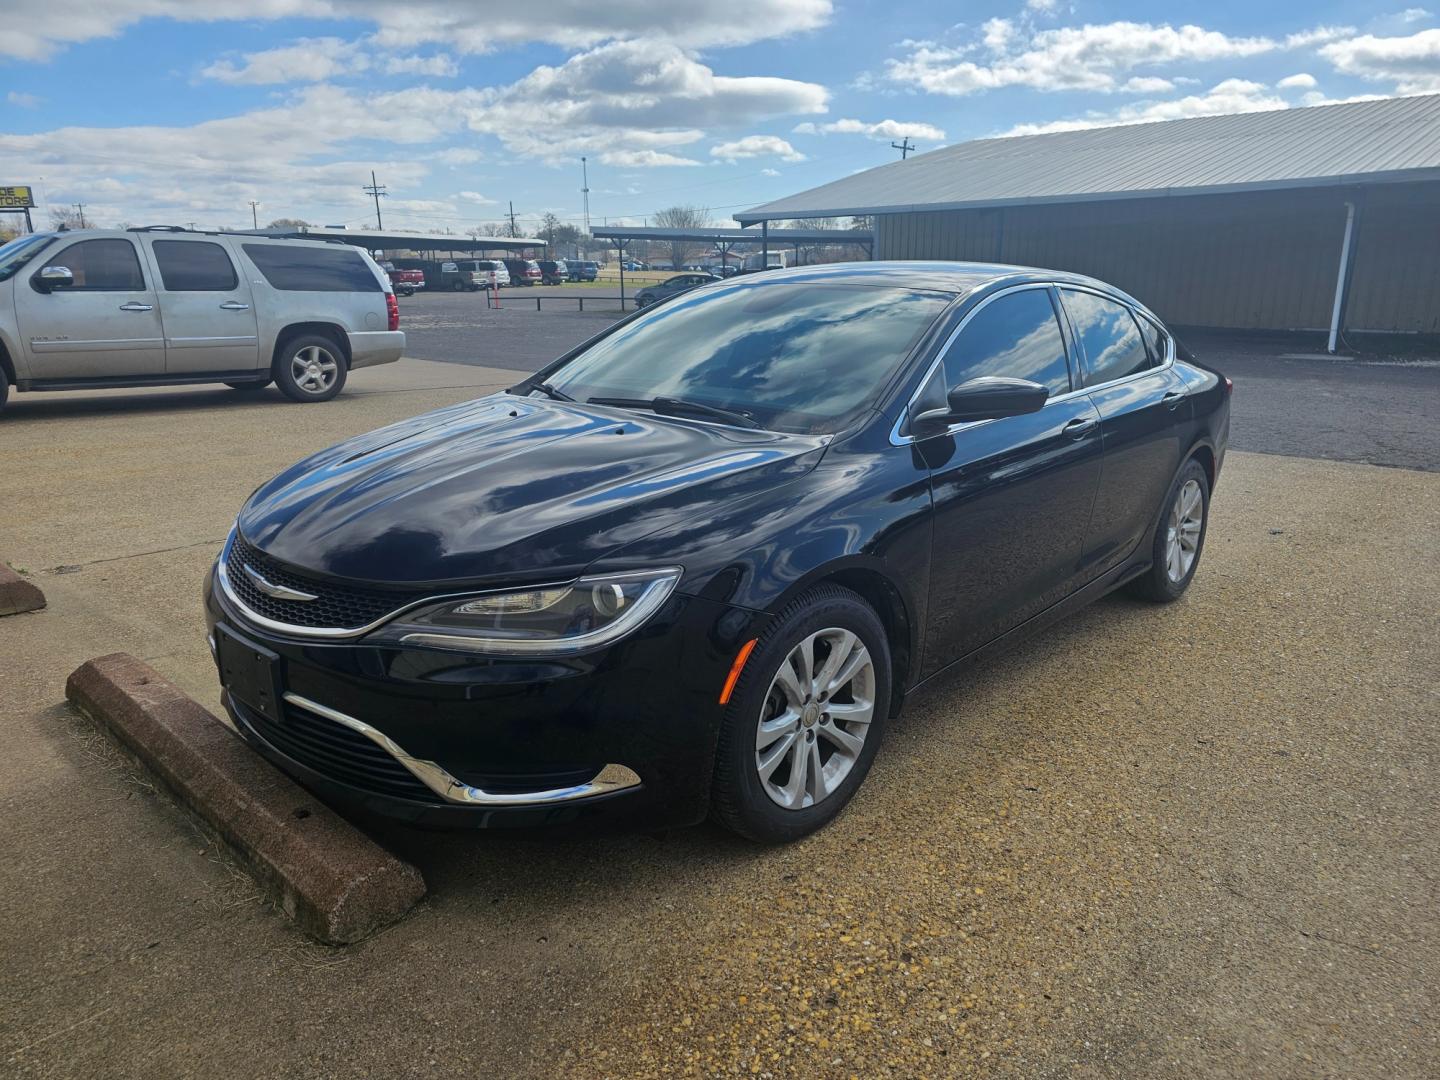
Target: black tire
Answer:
pixel 459 286
pixel 247 386
pixel 4 389
pixel 1160 583
pixel 292 352
pixel 740 798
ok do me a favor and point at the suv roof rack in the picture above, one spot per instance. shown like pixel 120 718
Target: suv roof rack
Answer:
pixel 172 228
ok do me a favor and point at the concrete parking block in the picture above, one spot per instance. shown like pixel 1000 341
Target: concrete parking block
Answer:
pixel 337 884
pixel 17 594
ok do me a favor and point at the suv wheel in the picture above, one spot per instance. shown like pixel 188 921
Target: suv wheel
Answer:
pixel 310 368
pixel 804 722
pixel 4 389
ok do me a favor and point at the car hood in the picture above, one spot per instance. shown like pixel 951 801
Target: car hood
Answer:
pixel 507 488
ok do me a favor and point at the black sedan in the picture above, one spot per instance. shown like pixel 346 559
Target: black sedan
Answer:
pixel 694 566
pixel 674 286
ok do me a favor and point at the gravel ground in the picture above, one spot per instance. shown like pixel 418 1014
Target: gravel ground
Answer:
pixel 1187 841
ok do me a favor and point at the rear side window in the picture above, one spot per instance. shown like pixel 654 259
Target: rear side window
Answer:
pixel 1015 336
pixel 1155 339
pixel 307 269
pixel 194 266
pixel 1108 336
pixel 102 265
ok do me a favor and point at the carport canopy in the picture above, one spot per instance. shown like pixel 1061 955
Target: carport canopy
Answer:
pixel 726 238
pixel 385 240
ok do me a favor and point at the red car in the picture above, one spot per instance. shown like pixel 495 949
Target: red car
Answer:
pixel 524 271
pixel 404 282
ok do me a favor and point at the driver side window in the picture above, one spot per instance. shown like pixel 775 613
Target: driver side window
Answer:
pixel 1016 336
pixel 102 266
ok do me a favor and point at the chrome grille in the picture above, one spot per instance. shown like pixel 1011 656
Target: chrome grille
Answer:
pixel 335 607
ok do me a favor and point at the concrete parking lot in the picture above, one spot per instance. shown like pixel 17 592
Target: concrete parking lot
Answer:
pixel 1191 841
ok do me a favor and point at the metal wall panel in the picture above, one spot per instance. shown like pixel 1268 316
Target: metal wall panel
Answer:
pixel 1264 261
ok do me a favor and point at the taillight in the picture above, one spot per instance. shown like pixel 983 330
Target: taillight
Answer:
pixel 392 308
pixel 1229 386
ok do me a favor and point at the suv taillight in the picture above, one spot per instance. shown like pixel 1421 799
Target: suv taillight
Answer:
pixel 392 308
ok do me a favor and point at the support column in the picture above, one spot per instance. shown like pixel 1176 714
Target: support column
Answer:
pixel 1342 278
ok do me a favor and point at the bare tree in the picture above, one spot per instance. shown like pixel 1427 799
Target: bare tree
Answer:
pixel 64 217
pixel 488 228
pixel 288 223
pixel 683 217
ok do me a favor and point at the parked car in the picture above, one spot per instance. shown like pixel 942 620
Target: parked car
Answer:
pixel 634 265
pixel 482 274
pixel 155 307
pixel 523 271
pixel 694 567
pixel 553 271
pixel 582 271
pixel 404 282
pixel 671 287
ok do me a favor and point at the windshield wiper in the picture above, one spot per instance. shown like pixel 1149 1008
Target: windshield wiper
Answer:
pixel 550 392
pixel 669 406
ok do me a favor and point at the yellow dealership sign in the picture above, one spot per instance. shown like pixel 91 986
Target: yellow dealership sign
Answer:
pixel 18 197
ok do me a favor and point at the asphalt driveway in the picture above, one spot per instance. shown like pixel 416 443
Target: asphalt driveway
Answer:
pixel 1190 841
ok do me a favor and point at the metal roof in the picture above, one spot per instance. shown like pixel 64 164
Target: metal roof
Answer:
pixel 1396 139
pixel 386 240
pixel 736 236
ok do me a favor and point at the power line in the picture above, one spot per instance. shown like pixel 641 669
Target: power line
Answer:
pixel 377 190
pixel 904 147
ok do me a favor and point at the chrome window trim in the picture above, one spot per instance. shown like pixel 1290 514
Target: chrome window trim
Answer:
pixel 609 779
pixel 899 438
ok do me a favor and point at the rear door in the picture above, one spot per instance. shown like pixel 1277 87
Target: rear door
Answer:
pixel 1012 496
pixel 209 312
pixel 104 326
pixel 1141 402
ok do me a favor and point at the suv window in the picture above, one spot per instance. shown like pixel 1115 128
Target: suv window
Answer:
pixel 307 269
pixel 102 265
pixel 1108 336
pixel 194 266
pixel 1016 336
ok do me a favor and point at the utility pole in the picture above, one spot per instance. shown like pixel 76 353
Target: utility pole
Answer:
pixel 904 147
pixel 80 209
pixel 513 230
pixel 585 191
pixel 254 218
pixel 376 190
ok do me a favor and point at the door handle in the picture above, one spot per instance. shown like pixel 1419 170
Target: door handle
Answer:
pixel 1173 399
pixel 135 306
pixel 1081 426
pixel 234 305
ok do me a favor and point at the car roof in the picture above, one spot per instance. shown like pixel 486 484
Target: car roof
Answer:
pixel 169 234
pixel 954 277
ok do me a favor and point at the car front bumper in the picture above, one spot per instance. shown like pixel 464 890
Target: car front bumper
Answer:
pixel 455 740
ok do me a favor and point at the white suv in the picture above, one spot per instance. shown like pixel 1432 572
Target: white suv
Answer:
pixel 152 307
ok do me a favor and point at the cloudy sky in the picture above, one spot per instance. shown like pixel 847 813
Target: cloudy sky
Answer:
pixel 151 111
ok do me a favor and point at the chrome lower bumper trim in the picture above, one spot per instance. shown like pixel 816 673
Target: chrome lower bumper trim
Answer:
pixel 610 779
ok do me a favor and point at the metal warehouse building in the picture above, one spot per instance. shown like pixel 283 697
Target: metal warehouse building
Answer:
pixel 1320 218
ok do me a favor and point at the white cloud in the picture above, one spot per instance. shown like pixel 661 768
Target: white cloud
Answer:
pixel 440 65
pixel 1299 81
pixel 1318 36
pixel 1090 57
pixel 769 172
pixel 881 129
pixel 752 146
pixel 641 159
pixel 24 101
pixel 1147 84
pixel 35 29
pixel 1414 14
pixel 1412 62
pixel 457 155
pixel 1230 96
pixel 306 60
pixel 1044 7
pixel 476 198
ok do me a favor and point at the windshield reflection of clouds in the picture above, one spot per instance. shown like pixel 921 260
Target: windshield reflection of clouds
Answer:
pixel 800 357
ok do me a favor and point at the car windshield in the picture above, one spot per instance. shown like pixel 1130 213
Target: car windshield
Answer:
pixel 801 357
pixel 18 252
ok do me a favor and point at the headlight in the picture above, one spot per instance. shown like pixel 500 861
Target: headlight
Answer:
pixel 554 620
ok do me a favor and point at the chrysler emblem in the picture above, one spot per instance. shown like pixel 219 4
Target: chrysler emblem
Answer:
pixel 279 592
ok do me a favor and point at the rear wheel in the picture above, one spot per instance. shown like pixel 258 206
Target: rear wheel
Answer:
pixel 1179 538
pixel 4 389
pixel 310 368
pixel 804 722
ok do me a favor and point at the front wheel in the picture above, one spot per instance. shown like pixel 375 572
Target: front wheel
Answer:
pixel 805 719
pixel 4 390
pixel 310 368
pixel 1179 537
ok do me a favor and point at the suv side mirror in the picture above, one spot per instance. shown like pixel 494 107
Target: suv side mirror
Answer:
pixel 989 397
pixel 54 277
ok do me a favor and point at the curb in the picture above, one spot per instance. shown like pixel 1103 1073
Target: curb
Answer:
pixel 17 594
pixel 335 882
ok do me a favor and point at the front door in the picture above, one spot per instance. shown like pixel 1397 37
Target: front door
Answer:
pixel 106 325
pixel 1012 496
pixel 209 312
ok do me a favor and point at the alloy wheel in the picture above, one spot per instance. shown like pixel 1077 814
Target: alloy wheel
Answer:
pixel 1182 532
pixel 815 718
pixel 314 369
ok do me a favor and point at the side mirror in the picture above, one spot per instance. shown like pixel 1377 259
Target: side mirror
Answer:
pixel 989 397
pixel 55 277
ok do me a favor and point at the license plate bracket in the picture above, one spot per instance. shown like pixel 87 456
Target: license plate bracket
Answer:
pixel 250 672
